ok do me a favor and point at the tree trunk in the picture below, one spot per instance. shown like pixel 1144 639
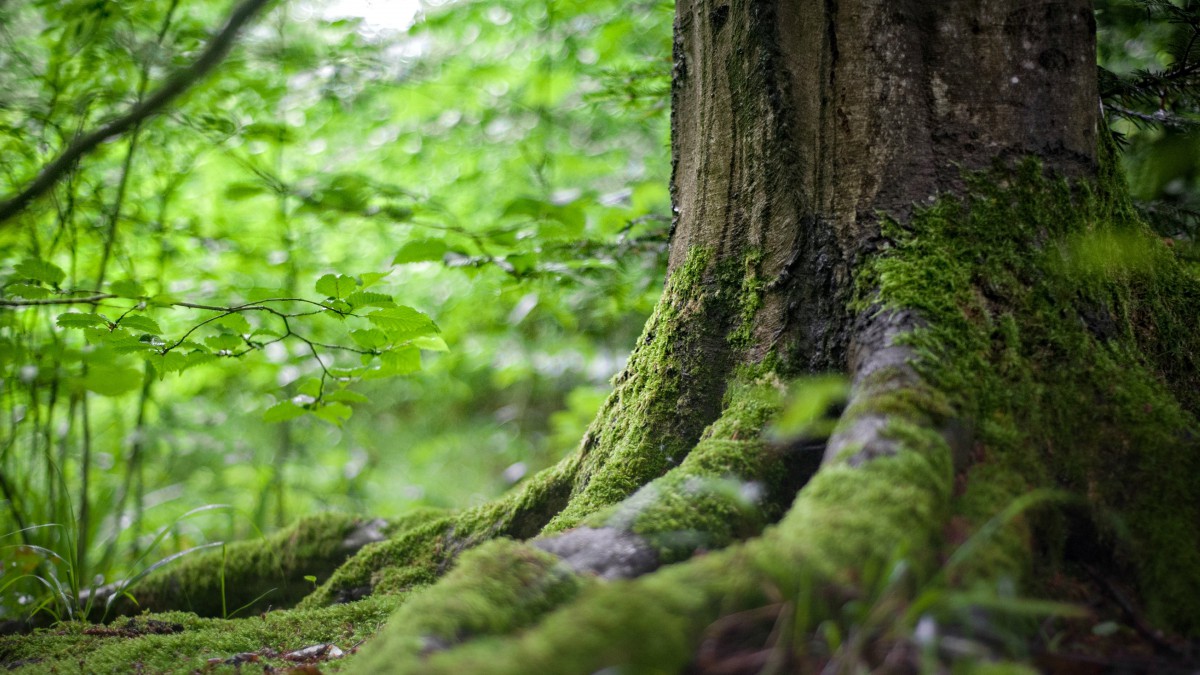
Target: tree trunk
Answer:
pixel 920 195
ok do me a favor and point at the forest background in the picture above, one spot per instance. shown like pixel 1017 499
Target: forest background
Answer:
pixel 370 264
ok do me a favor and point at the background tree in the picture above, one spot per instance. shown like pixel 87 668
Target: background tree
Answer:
pixel 850 192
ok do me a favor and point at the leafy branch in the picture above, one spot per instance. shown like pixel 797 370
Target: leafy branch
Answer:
pixel 171 89
pixel 1162 97
pixel 390 346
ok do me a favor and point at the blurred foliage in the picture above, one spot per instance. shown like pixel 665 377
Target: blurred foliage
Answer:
pixel 1149 52
pixel 358 268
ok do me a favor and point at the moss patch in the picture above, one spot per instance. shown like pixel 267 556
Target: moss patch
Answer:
pixel 417 555
pixel 729 487
pixel 1067 333
pixel 845 520
pixel 258 574
pixel 495 589
pixel 193 644
pixel 670 390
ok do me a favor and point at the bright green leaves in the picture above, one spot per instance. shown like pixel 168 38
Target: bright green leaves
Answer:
pixel 112 380
pixel 80 320
pixel 421 250
pixel 329 406
pixel 28 291
pixel 811 407
pixel 127 288
pixel 360 299
pixel 381 339
pixel 29 276
pixel 36 269
pixel 336 286
pixel 403 323
pixel 401 361
pixel 554 221
pixel 223 342
pixel 334 413
pixel 370 339
pixel 138 322
pixel 283 411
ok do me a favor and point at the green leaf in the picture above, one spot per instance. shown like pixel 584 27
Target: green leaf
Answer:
pixel 401 361
pixel 96 335
pixel 282 412
pixel 112 380
pixel 334 413
pixel 196 358
pixel 336 285
pixel 243 190
pixel 371 338
pixel 223 342
pixel 366 299
pixel 421 250
pixel 403 323
pixel 346 396
pixel 171 362
pixel 40 270
pixel 431 343
pixel 310 387
pixel 236 323
pixel 345 192
pixel 400 214
pixel 369 279
pixel 127 288
pixel 28 291
pixel 142 323
pixel 80 320
pixel 808 410
pixel 123 342
pixel 164 300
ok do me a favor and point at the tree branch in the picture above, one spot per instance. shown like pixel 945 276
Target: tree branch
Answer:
pixel 175 85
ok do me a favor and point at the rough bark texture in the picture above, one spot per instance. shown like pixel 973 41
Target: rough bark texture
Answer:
pixel 1003 331
pixel 796 123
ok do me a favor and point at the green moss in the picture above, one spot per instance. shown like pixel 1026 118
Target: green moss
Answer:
pixel 729 486
pixel 1067 333
pixel 845 520
pixel 748 278
pixel 187 643
pixel 495 589
pixel 662 400
pixel 417 555
pixel 258 574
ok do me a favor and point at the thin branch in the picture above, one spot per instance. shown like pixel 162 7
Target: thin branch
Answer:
pixel 174 86
pixel 89 300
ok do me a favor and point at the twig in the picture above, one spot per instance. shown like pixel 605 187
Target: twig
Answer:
pixel 175 85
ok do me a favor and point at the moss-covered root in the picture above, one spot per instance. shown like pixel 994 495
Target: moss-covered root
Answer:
pixel 417 555
pixel 845 519
pixel 728 488
pixel 249 575
pixel 669 392
pixel 499 587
